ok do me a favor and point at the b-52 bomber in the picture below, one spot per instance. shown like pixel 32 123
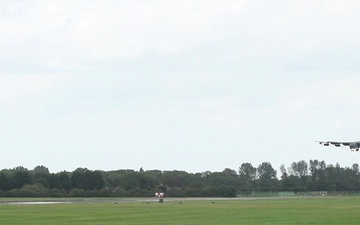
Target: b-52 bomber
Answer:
pixel 354 145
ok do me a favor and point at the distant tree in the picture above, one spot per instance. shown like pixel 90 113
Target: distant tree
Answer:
pixel 41 175
pixel 54 181
pixel 22 177
pixel 78 178
pixel 247 172
pixel 155 175
pixel 95 179
pixel 7 180
pixel 318 176
pixel 175 178
pixel 137 180
pixel 20 168
pixel 65 181
pixel 227 191
pixel 352 175
pixel 283 171
pixel 293 183
pixel 82 178
pixel 322 165
pixel 355 168
pixel 230 172
pixel 223 178
pixel 313 166
pixel 41 169
pixel 267 176
pixel 299 169
pixel 300 176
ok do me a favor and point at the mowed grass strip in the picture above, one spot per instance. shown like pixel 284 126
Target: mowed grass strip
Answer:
pixel 265 211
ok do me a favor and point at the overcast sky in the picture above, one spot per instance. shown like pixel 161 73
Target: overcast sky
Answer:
pixel 177 85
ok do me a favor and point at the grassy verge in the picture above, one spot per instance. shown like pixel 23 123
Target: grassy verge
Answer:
pixel 341 210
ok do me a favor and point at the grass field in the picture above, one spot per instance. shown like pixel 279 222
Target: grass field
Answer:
pixel 336 210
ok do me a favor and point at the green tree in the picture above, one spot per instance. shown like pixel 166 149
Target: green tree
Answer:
pixel 41 169
pixel 82 178
pixel 41 175
pixel 137 180
pixel 267 176
pixel 292 183
pixel 175 178
pixel 230 172
pixel 299 169
pixel 22 177
pixel 65 181
pixel 7 180
pixel 283 171
pixel 247 172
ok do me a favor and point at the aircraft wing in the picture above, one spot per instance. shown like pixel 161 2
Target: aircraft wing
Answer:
pixel 335 143
pixel 354 146
pixel 345 143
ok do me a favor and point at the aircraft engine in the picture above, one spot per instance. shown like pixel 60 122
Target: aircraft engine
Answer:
pixel 354 145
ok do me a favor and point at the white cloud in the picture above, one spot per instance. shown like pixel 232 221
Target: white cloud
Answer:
pixel 84 34
pixel 150 76
pixel 71 32
pixel 19 86
pixel 339 93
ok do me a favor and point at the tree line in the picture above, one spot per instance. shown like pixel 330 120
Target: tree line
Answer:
pixel 300 176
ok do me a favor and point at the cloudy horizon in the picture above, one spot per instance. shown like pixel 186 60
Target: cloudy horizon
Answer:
pixel 180 85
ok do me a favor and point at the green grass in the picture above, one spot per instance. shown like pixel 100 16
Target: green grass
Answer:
pixel 337 211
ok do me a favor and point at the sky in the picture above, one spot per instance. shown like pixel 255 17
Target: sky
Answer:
pixel 177 85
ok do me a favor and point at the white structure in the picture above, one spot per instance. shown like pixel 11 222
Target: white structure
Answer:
pixel 159 195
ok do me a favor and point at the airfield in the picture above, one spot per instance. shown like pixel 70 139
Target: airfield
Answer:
pixel 148 211
pixel 34 201
pixel 147 200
